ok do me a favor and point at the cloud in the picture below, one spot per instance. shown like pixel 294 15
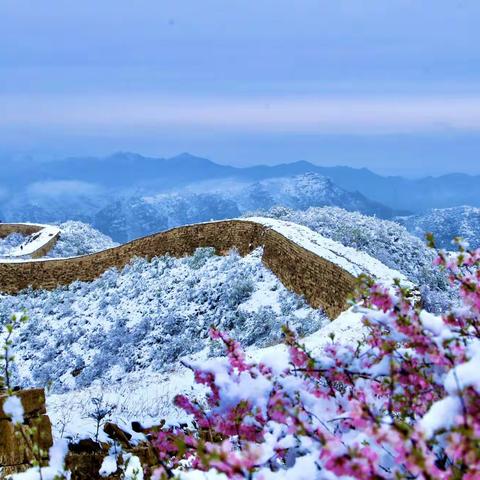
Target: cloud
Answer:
pixel 309 115
pixel 62 188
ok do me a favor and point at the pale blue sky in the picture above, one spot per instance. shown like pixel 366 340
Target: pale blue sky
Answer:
pixel 392 85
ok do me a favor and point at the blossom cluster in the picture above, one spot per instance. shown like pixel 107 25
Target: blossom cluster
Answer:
pixel 402 403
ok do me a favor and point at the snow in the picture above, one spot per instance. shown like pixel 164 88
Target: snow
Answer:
pixel 34 242
pixel 10 243
pixel 14 409
pixel 147 397
pixel 446 224
pixel 349 259
pixel 109 465
pixel 467 374
pixel 53 471
pixel 148 315
pixel 134 470
pixel 442 414
pixel 77 238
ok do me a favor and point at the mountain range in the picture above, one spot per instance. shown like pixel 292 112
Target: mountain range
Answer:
pixel 131 171
pixel 134 216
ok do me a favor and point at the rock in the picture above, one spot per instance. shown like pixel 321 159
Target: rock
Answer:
pixel 88 446
pixel 33 402
pixel 117 434
pixel 16 442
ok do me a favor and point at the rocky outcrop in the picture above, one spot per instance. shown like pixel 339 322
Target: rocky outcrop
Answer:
pixel 84 458
pixel 16 441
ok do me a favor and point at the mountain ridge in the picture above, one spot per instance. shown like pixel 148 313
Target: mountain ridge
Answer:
pixel 124 170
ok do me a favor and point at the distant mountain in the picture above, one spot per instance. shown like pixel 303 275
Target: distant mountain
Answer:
pixel 132 171
pixel 48 202
pixel 447 223
pixel 121 170
pixel 134 217
pixel 303 191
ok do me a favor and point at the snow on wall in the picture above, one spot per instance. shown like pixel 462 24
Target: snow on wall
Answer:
pixel 37 244
pixel 351 260
pixel 40 239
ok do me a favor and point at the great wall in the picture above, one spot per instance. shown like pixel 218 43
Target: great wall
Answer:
pixel 40 239
pixel 320 270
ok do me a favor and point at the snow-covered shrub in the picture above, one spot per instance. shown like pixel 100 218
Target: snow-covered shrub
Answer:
pixel 10 242
pixel 445 224
pixel 77 238
pixel 404 403
pixel 200 257
pixel 384 240
pixel 148 315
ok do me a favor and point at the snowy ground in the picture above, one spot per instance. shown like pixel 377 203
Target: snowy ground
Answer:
pixel 149 398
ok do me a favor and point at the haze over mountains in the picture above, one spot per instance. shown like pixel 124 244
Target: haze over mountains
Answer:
pixel 127 195
pixel 123 171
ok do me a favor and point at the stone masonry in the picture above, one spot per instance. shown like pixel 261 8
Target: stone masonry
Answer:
pixel 15 452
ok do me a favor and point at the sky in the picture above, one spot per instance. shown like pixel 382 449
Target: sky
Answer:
pixel 389 85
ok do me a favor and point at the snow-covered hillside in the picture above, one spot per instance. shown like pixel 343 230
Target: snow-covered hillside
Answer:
pixel 303 191
pixel 10 243
pixel 147 316
pixel 135 217
pixel 147 396
pixel 77 238
pixel 446 224
pixel 387 241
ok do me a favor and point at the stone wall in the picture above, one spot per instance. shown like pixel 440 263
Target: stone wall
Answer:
pixel 46 247
pixel 15 448
pixel 322 283
pixel 29 230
